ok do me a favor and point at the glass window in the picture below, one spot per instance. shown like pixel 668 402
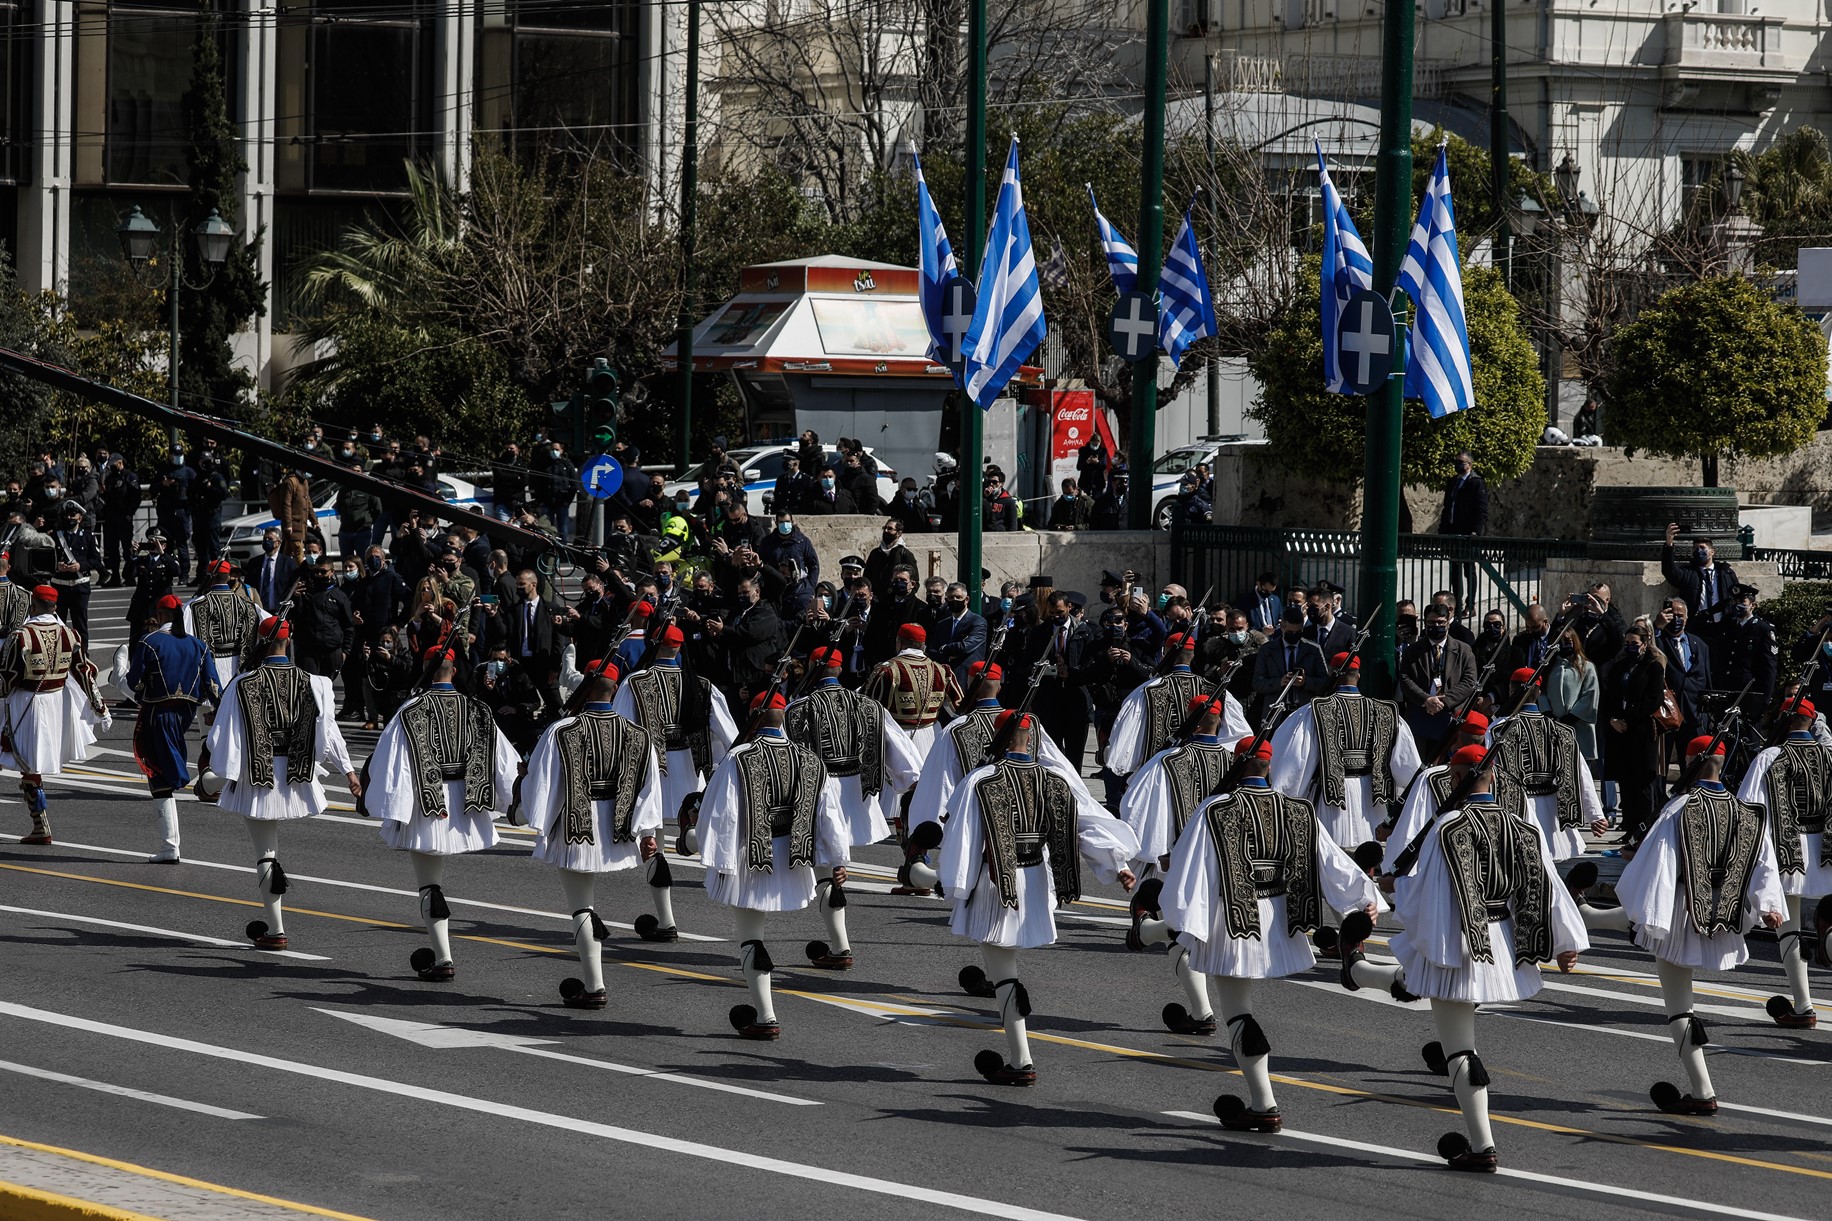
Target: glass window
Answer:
pixel 1176 462
pixel 149 69
pixel 575 77
pixel 366 112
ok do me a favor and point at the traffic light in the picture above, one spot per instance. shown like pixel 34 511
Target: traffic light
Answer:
pixel 602 402
pixel 570 416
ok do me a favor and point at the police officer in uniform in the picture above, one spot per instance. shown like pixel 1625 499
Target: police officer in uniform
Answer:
pixel 1746 650
pixel 154 574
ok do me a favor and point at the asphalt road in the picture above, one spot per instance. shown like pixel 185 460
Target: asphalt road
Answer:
pixel 331 1075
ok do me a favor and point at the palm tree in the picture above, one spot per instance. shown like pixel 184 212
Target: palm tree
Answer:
pixel 380 269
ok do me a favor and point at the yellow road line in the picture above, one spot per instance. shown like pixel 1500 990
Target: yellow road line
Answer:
pixel 167 1177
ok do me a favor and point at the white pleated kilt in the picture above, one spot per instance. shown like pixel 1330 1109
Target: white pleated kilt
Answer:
pixel 1685 946
pixel 1274 954
pixel 1565 843
pixel 599 856
pixel 865 821
pixel 981 917
pixel 282 802
pixel 453 835
pixel 1479 983
pixel 923 739
pixel 1352 825
pixel 782 889
pixel 49 729
pixel 1817 880
pixel 225 668
pixel 679 782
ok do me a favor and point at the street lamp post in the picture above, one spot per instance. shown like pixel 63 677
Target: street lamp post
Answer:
pixel 140 242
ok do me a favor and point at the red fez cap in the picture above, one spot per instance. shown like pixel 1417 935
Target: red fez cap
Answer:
pixel 989 670
pixel 1263 750
pixel 1805 708
pixel 274 628
pixel 221 568
pixel 438 653
pixel 170 602
pixel 1699 745
pixel 642 610
pixel 673 637
pixel 1186 640
pixel 776 700
pixel 599 667
pixel 827 657
pixel 45 593
pixel 1475 722
pixel 1205 703
pixel 1024 721
pixel 1340 659
pixel 913 633
pixel 1469 756
pixel 1525 674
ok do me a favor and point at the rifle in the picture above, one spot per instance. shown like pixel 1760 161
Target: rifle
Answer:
pixel 830 634
pixel 1450 734
pixel 1698 762
pixel 625 630
pixel 1002 739
pixel 1169 659
pixel 1790 707
pixel 1409 855
pixel 779 678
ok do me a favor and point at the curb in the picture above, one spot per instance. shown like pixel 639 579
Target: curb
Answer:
pixel 29 1204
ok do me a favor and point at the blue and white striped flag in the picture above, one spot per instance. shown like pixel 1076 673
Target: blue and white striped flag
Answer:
pixel 1122 259
pixel 1008 320
pixel 1186 312
pixel 937 264
pixel 1346 268
pixel 1437 354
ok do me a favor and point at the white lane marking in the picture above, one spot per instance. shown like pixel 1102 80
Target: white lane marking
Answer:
pixel 122 1091
pixel 428 1034
pixel 1714 1049
pixel 565 1123
pixel 199 938
pixel 1793 1115
pixel 1554 1180
pixel 1652 1002
pixel 383 890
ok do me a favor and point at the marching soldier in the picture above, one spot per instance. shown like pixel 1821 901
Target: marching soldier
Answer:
pixel 441 774
pixel 52 711
pixel 1151 712
pixel 869 758
pixel 225 618
pixel 914 688
pixel 593 794
pixel 1541 756
pixel 1482 909
pixel 1794 781
pixel 771 818
pixel 1349 753
pixel 1018 835
pixel 1704 875
pixel 1432 787
pixel 1248 880
pixel 15 599
pixel 274 726
pixel 170 677
pixel 690 730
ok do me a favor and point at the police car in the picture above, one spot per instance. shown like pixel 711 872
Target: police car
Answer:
pixel 1167 474
pixel 245 532
pixel 762 464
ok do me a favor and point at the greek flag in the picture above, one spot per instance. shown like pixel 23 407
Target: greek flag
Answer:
pixel 1122 259
pixel 1008 320
pixel 1346 268
pixel 1186 313
pixel 1437 353
pixel 937 259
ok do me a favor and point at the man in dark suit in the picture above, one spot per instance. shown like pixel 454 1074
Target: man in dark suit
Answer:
pixel 1466 512
pixel 1067 641
pixel 270 574
pixel 1688 663
pixel 901 606
pixel 1704 583
pixel 1436 674
pixel 1288 652
pixel 1329 633
pixel 528 630
pixel 958 636
pixel 1263 605
pixel 1530 645
pixel 749 639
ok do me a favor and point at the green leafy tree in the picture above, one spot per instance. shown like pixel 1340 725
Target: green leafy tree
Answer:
pixel 1323 434
pixel 1715 367
pixel 233 295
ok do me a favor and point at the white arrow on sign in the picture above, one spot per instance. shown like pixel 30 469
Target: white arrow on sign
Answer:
pixel 428 1034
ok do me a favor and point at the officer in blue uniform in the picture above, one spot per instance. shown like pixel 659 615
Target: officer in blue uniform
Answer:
pixel 170 675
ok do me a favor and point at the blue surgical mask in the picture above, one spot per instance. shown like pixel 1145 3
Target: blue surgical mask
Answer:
pixel 1163 601
pixel 1005 604
pixel 784 527
pixel 375 563
pixel 827 483
pixel 662 582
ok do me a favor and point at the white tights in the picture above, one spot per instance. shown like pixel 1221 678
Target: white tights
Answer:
pixel 1456 1023
pixel 1676 991
pixel 579 888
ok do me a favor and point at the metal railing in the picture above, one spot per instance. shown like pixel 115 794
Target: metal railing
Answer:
pixel 1794 565
pixel 1495 571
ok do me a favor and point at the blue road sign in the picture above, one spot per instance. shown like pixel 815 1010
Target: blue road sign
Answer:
pixel 1364 342
pixel 602 478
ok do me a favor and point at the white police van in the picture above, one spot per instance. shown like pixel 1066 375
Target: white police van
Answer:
pixel 244 533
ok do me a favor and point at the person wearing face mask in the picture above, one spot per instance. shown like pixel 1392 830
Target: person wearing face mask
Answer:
pixel 1632 689
pixel 889 555
pixel 1707 586
pixel 1286 654
pixel 903 605
pixel 786 542
pixel 1067 642
pixel 1437 675
pixel 1071 510
pixel 357 509
pixel 1491 644
pixel 1541 753
pixel 1001 511
pixel 172 509
pixel 291 502
pixel 828 498
pixel 270 574
pixel 378 602
pixel 1745 650
pixel 958 637
pixel 1688 665
pixel 909 508
pixel 555 486
pixel 1465 513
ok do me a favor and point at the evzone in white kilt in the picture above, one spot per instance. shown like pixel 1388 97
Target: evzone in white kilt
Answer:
pixel 914 690
pixel 1149 716
pixel 1793 781
pixel 1164 792
pixel 688 743
pixel 870 760
pixel 1704 876
pixel 1348 754
pixel 961 747
pixel 225 618
pixel 1541 756
pixel 592 793
pixel 275 725
pixel 1018 836
pixel 441 773
pixel 49 719
pixel 1497 865
pixel 771 818
pixel 1248 881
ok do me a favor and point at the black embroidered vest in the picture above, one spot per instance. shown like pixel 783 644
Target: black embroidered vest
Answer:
pixel 845 729
pixel 1266 846
pixel 782 791
pixel 1355 737
pixel 1498 871
pixel 657 693
pixel 1027 808
pixel 280 716
pixel 602 757
pixel 451 736
pixel 1541 754
pixel 1799 790
pixel 1720 837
